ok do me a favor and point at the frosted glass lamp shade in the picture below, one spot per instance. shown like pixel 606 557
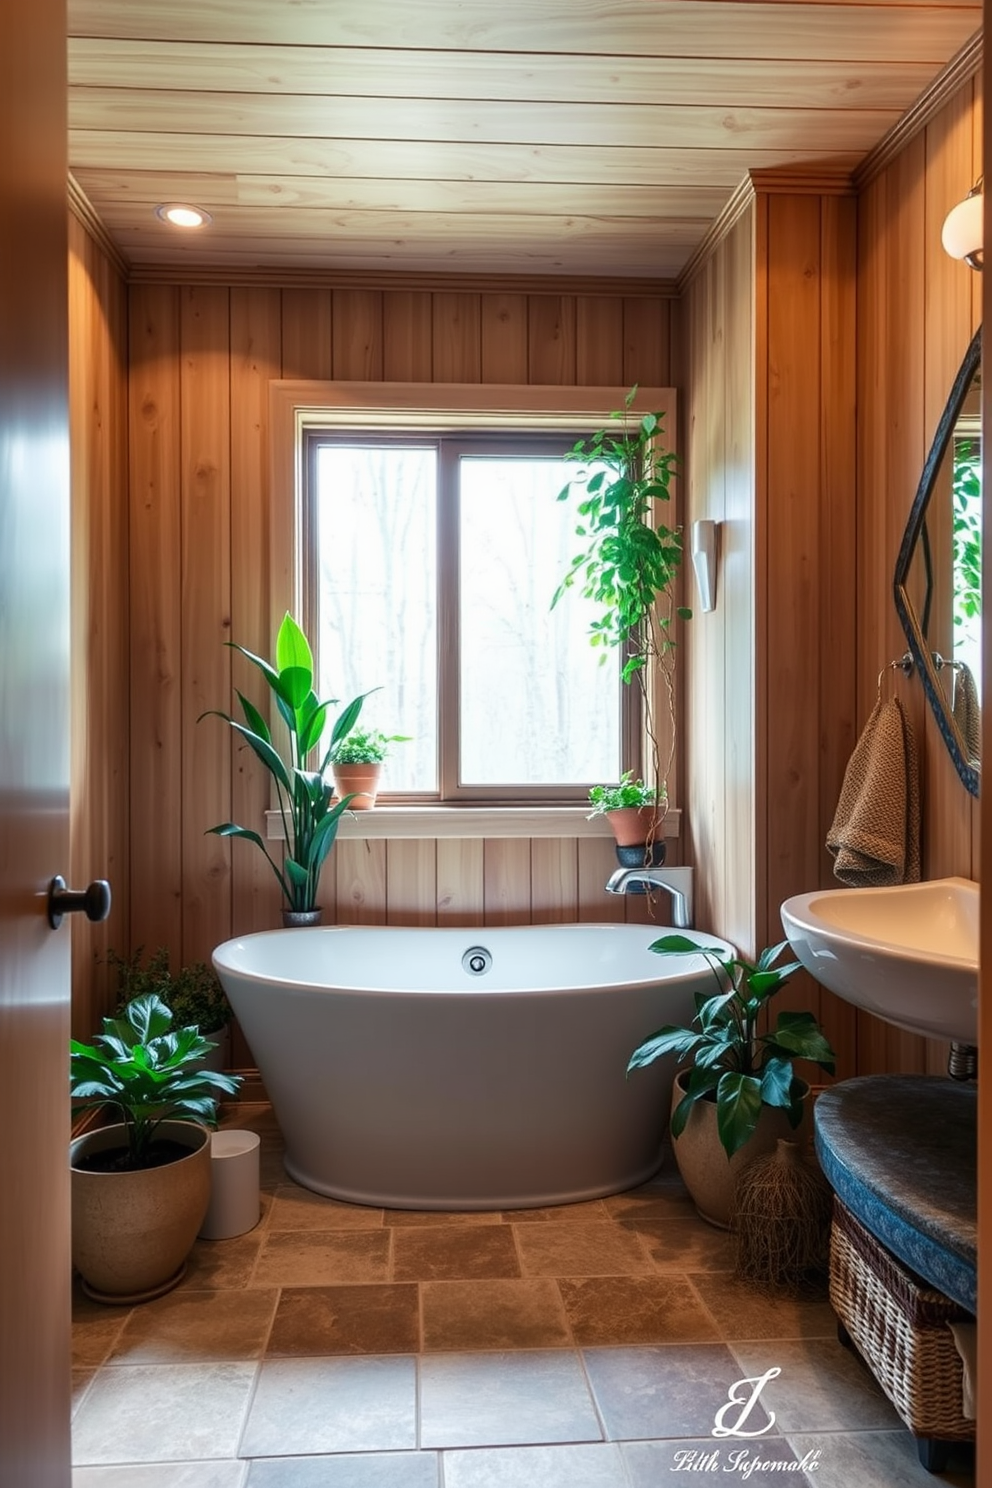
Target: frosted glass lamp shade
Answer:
pixel 962 234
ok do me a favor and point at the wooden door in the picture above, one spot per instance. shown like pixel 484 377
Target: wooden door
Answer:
pixel 34 749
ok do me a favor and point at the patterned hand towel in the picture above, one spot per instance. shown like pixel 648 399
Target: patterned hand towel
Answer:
pixel 967 711
pixel 875 836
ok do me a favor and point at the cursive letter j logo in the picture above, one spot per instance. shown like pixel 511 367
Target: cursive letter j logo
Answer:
pixel 746 1403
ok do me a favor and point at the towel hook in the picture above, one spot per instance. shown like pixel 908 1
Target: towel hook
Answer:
pixel 904 665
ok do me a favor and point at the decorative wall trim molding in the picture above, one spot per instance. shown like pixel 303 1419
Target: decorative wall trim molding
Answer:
pixel 434 822
pixel 737 204
pixel 959 70
pixel 82 208
pixel 310 278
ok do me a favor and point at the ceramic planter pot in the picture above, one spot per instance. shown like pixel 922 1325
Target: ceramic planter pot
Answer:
pixel 707 1172
pixel 132 1232
pixel 363 780
pixel 632 824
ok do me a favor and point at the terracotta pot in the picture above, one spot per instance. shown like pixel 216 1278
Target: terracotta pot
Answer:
pixel 362 779
pixel 132 1232
pixel 707 1172
pixel 632 824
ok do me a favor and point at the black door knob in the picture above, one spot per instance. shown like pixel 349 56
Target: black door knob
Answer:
pixel 94 901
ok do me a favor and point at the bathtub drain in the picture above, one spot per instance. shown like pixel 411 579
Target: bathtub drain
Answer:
pixel 477 960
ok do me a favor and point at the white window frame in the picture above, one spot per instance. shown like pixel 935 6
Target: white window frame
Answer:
pixel 363 407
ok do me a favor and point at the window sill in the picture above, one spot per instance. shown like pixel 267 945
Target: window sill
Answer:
pixel 471 821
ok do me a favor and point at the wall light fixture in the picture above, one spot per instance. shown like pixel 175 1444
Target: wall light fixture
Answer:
pixel 702 545
pixel 963 232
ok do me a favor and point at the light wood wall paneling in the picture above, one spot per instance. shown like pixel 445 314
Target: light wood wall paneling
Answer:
pixel 356 882
pixel 307 317
pixel 156 734
pixel 460 881
pixel 99 630
pixel 599 341
pixel 551 339
pixel 647 342
pixel 506 881
pixel 205 373
pixel 411 881
pixel 554 881
pixel 357 335
pixel 504 337
pixel 256 329
pixel 596 859
pixel 457 338
pixel 407 335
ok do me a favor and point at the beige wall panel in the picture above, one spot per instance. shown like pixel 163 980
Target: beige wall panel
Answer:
pixel 411 882
pixel 306 333
pixel 551 339
pixel 156 736
pixel 358 869
pixel 506 881
pixel 407 336
pixel 554 881
pixel 599 341
pixel 503 329
pixel 460 881
pixel 206 615
pixel 357 335
pixel 457 338
pixel 596 861
pixel 647 342
pixel 255 359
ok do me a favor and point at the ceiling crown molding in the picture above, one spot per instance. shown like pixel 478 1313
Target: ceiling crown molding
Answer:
pixel 83 210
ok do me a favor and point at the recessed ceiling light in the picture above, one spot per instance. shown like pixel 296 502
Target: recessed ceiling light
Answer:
pixel 181 215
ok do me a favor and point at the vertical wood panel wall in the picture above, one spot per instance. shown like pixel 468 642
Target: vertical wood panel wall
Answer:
pixel 200 361
pixel 99 846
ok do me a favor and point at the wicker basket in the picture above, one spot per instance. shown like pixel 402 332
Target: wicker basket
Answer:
pixel 898 1323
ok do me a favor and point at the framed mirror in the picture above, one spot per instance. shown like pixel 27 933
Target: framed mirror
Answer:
pixel 938 578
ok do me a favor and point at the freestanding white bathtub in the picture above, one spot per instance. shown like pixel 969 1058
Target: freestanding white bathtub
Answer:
pixel 409 1070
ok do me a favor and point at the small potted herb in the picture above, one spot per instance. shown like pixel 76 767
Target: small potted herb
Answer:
pixel 356 764
pixel 741 1093
pixel 193 995
pixel 140 1188
pixel 635 812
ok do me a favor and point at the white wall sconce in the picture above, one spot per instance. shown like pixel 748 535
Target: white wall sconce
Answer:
pixel 963 233
pixel 702 546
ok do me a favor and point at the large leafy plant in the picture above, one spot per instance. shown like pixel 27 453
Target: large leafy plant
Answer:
pixel 309 820
pixel 147 1073
pixel 630 560
pixel 733 1064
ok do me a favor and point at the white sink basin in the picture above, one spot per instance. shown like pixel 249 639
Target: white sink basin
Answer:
pixel 907 954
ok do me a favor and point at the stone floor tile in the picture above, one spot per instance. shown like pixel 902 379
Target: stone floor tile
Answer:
pixel 188 1327
pixel 162 1413
pixel 222 1264
pixel 493 1314
pixel 434 1219
pixel 660 1203
pixel 703 1460
pixel 670 1390
pixel 581 1250
pixel 322 1258
pixel 230 1474
pixel 505 1399
pixel 306 1406
pixel 879 1459
pixel 684 1242
pixel 584 1213
pixel 381 1319
pixel 95 1328
pixel 635 1309
pixel 81 1381
pixel 586 1465
pixel 742 1312
pixel 296 1208
pixel 347 1470
pixel 455 1253
pixel 822 1386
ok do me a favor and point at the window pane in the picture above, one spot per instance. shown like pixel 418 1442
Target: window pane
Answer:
pixel 375 532
pixel 537 708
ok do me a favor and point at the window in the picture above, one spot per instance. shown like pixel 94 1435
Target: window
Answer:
pixel 425 545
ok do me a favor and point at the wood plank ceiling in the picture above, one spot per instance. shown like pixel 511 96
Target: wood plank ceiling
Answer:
pixel 537 137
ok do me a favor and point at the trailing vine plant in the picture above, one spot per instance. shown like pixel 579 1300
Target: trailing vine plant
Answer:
pixel 630 561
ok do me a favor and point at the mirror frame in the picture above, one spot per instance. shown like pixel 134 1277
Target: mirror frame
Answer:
pixel 969 773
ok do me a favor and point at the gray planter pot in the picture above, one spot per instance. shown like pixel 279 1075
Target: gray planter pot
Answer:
pixel 132 1232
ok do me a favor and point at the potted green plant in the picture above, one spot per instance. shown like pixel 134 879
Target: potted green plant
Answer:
pixel 309 816
pixel 630 567
pixel 140 1187
pixel 635 814
pixel 356 763
pixel 193 995
pixel 741 1092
